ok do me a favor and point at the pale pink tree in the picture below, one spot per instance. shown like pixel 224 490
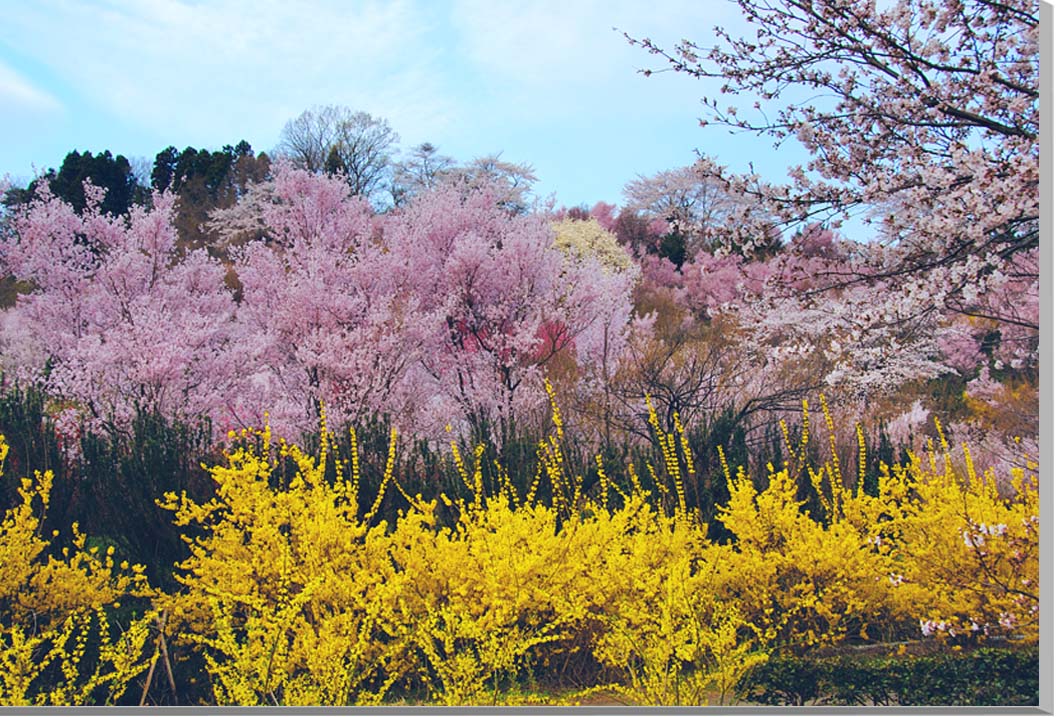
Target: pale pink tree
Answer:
pixel 924 112
pixel 862 339
pixel 496 301
pixel 320 322
pixel 120 322
pixel 695 205
pixel 445 311
pixel 922 116
pixel 758 336
pixel 509 183
pixel 601 274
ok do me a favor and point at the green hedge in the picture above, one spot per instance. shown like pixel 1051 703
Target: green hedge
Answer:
pixel 985 676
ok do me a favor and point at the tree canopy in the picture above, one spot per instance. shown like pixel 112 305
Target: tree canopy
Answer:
pixel 922 115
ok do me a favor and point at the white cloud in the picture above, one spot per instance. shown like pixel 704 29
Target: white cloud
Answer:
pixel 17 93
pixel 549 82
pixel 560 49
pixel 202 71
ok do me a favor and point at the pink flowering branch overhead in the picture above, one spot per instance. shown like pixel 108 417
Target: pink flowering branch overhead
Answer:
pixel 924 114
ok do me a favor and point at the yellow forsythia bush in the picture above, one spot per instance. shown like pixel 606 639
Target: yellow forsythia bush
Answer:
pixel 288 594
pixel 58 645
pixel 951 552
pixel 293 598
pixel 967 547
pixel 292 594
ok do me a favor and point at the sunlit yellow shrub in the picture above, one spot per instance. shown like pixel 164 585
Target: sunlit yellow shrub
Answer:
pixel 341 610
pixel 296 598
pixel 295 592
pixel 814 582
pixel 932 548
pixel 581 238
pixel 685 645
pixel 287 591
pixel 521 590
pixel 650 602
pixel 667 627
pixel 485 594
pixel 57 643
pixel 810 579
pixel 968 547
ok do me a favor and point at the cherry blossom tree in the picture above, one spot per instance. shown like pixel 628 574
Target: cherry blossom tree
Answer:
pixel 923 113
pixel 423 168
pixel 319 322
pixel 117 321
pixel 498 301
pixel 509 182
pixel 448 310
pixel 752 338
pixel 695 205
pixel 922 118
pixel 605 274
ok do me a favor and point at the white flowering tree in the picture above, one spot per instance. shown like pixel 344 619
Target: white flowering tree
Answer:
pixel 923 113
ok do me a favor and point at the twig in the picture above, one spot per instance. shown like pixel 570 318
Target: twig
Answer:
pixel 161 648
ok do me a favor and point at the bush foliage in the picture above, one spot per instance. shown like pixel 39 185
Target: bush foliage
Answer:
pixel 986 676
pixel 298 588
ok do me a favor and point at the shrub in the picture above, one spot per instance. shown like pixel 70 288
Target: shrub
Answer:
pixel 58 642
pixel 985 676
pixel 302 587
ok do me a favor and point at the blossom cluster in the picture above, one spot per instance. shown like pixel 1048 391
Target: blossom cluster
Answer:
pixel 448 308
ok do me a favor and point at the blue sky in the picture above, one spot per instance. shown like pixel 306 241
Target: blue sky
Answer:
pixel 551 84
